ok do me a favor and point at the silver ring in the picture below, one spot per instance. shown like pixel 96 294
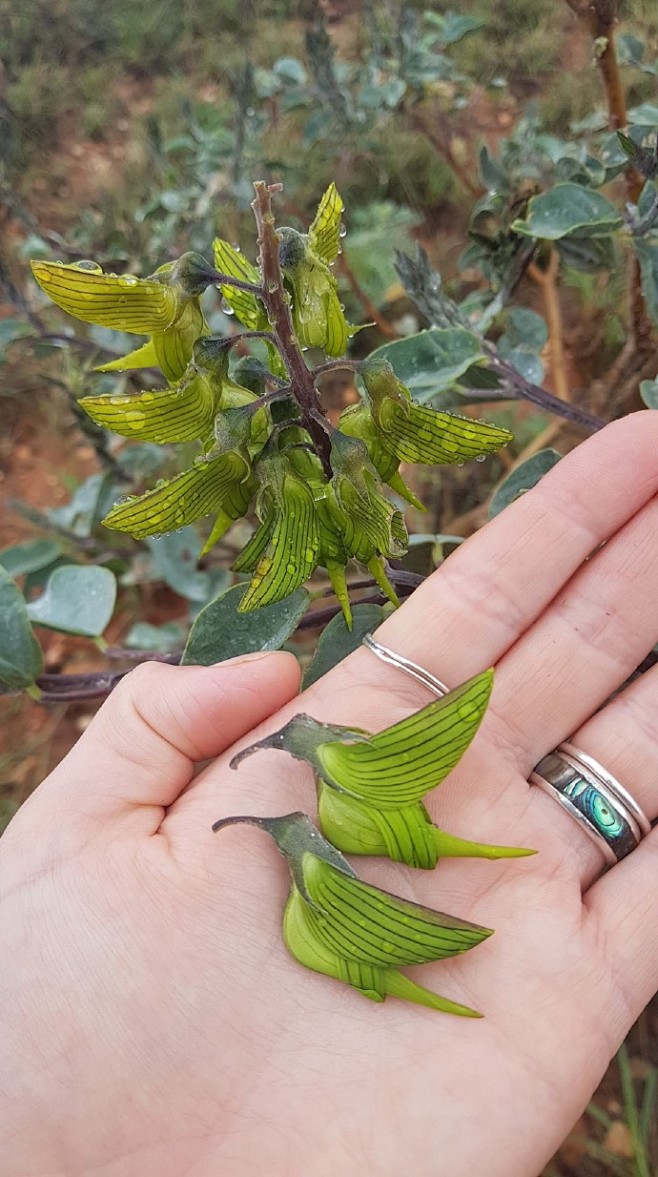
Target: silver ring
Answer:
pixel 411 668
pixel 603 808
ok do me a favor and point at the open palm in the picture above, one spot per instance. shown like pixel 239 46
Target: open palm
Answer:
pixel 154 1021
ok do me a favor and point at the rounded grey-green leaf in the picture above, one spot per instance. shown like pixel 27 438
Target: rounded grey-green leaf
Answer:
pixel 337 641
pixel 569 209
pixel 649 393
pixel 221 632
pixel 20 654
pixel 523 478
pixel 77 599
pixel 432 360
pixel 32 556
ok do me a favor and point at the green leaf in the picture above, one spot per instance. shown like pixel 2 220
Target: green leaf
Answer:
pixel 175 559
pixel 569 209
pixel 337 641
pixel 432 360
pixel 587 253
pixel 524 328
pixel 647 254
pixel 90 501
pixel 649 393
pixel 221 632
pixel 160 639
pixel 10 331
pixel 20 655
pixel 77 599
pixel 523 478
pixel 30 556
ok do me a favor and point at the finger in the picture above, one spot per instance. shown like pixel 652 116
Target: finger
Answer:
pixel 624 902
pixel 487 594
pixel 140 749
pixel 586 644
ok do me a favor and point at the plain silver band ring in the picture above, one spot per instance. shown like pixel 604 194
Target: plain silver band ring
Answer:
pixel 411 668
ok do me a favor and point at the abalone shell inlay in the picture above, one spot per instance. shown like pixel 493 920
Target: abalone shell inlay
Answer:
pixel 604 819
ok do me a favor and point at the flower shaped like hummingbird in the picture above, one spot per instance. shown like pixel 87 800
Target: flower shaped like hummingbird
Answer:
pixel 336 924
pixel 395 428
pixel 305 258
pixel 164 306
pixel 370 787
pixel 220 481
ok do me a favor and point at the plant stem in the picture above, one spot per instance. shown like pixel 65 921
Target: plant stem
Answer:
pixel 277 305
pixel 547 281
pixel 601 18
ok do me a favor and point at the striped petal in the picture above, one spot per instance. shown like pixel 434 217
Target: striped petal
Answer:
pixel 292 551
pixel 174 348
pixel 364 923
pixel 400 765
pixel 324 233
pixel 417 433
pixel 184 413
pixel 182 500
pixel 247 307
pixel 136 305
pixel 143 357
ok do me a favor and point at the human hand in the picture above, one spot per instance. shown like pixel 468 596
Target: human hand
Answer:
pixel 154 1024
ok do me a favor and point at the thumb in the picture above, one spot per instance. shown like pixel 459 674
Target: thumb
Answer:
pixel 141 747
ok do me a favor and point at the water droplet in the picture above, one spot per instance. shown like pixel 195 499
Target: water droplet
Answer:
pixel 93 267
pixel 135 418
pixel 342 231
pixel 227 308
pixel 128 280
pixel 481 458
pixel 250 112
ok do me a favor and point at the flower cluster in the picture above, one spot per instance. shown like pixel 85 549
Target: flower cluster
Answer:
pixel 316 504
pixel 370 790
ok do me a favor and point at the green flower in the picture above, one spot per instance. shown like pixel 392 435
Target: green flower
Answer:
pixel 357 421
pixel 370 527
pixel 164 306
pixel 220 482
pixel 418 433
pixel 283 551
pixel 340 926
pixel 305 259
pixel 370 788
pixel 184 412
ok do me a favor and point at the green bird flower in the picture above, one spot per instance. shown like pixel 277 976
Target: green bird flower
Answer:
pixel 219 482
pixel 397 429
pixel 336 924
pixel 184 412
pixel 305 259
pixel 370 527
pixel 165 307
pixel 283 551
pixel 370 787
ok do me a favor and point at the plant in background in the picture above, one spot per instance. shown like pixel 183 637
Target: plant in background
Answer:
pixel 316 488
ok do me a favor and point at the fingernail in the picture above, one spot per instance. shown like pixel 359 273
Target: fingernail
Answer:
pixel 237 661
